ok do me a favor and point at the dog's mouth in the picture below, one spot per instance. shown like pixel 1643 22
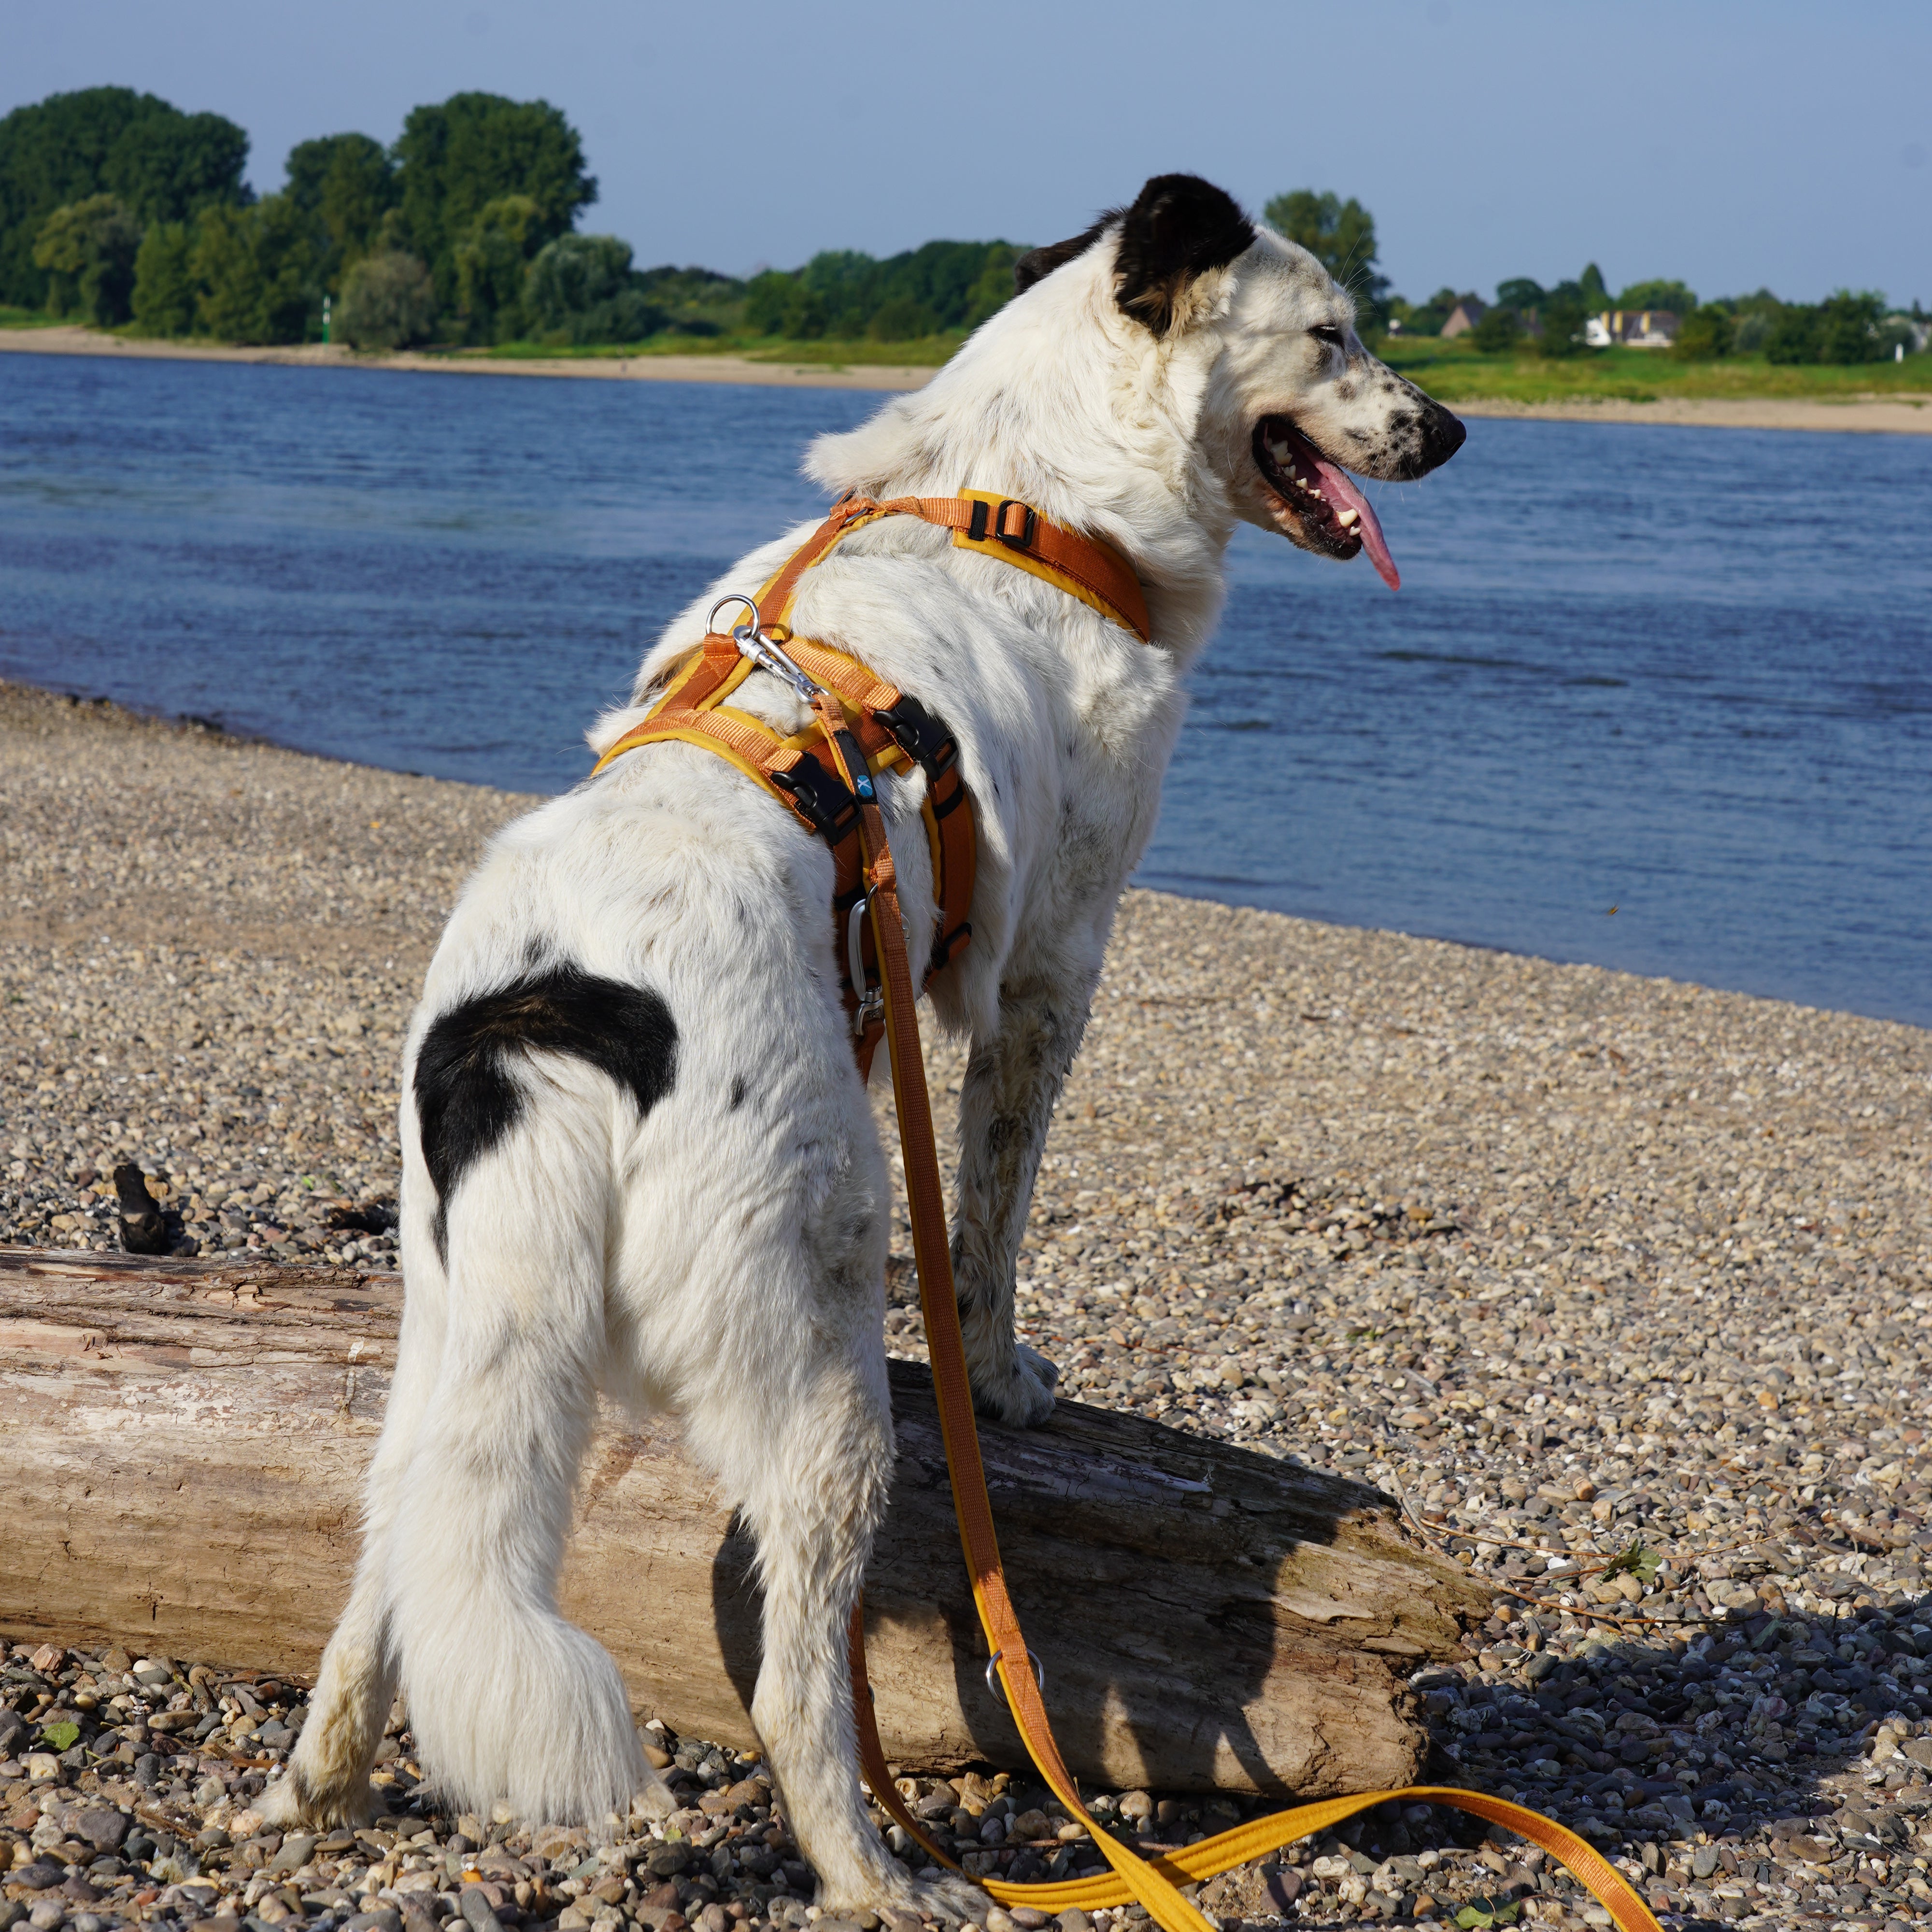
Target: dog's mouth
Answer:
pixel 1330 513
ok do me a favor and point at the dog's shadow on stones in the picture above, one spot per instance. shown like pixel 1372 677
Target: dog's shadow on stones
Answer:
pixel 1144 1564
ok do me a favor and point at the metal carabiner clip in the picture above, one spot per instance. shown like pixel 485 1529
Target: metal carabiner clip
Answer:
pixel 753 643
pixel 992 1678
pixel 872 1000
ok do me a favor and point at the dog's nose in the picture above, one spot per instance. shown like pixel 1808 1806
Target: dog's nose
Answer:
pixel 1451 432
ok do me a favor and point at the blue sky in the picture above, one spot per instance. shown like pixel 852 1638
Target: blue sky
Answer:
pixel 1734 146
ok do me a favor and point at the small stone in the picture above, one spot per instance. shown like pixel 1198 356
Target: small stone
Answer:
pixel 103 1827
pixel 476 1909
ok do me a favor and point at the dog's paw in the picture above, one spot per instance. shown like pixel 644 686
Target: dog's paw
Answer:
pixel 294 1802
pixel 1023 1395
pixel 944 1896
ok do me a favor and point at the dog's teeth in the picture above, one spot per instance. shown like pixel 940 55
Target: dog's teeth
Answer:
pixel 1345 517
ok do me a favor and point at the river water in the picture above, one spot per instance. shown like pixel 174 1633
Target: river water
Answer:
pixel 1686 674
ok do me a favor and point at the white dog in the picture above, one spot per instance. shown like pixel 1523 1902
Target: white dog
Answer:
pixel 637 1156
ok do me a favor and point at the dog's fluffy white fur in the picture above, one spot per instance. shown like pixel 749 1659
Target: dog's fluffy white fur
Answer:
pixel 680 1202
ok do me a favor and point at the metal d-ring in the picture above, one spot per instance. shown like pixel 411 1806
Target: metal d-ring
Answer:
pixel 992 1679
pixel 736 597
pixel 753 643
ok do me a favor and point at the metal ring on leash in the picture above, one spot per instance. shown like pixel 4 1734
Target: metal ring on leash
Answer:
pixel 993 1683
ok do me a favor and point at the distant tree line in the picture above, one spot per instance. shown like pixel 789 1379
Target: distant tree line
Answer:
pixel 116 208
pixel 1849 326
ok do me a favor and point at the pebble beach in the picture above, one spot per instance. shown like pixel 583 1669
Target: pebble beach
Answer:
pixel 1621 1286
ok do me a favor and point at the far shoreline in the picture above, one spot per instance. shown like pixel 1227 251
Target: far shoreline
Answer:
pixel 1864 415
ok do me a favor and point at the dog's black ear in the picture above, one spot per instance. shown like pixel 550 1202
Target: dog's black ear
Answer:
pixel 1038 263
pixel 1180 227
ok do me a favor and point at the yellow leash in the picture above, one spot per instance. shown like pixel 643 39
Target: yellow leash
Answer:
pixel 1155 1882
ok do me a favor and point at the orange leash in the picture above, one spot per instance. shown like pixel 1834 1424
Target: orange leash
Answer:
pixel 1156 1881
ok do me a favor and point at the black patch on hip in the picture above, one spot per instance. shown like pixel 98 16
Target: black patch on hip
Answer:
pixel 465 1100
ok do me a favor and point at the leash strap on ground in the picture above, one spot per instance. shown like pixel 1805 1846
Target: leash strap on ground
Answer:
pixel 1154 1882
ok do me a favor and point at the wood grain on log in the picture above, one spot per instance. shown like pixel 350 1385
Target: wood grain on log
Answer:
pixel 181 1451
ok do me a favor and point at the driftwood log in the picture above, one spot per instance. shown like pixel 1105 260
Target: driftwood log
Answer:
pixel 181 1449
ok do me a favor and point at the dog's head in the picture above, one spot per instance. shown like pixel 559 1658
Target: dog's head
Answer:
pixel 1290 400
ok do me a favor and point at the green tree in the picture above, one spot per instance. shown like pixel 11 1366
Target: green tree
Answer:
pixel 346 184
pixel 455 158
pixel 493 257
pixel 581 288
pixel 164 283
pixel 1671 295
pixel 1849 326
pixel 777 304
pixel 1498 332
pixel 162 164
pixel 388 302
pixel 901 318
pixel 1793 335
pixel 1703 335
pixel 1520 293
pixel 1562 314
pixel 1590 284
pixel 255 273
pixel 88 249
pixel 1340 235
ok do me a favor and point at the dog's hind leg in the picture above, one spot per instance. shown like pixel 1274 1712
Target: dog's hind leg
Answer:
pixel 507 1700
pixel 810 1459
pixel 327 1783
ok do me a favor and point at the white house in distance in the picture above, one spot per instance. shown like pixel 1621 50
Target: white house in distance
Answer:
pixel 1630 329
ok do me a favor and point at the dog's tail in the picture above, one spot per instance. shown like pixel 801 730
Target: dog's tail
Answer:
pixel 508 1700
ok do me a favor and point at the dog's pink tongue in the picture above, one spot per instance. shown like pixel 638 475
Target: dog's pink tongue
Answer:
pixel 1338 489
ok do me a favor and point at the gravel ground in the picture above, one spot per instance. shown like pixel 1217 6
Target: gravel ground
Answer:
pixel 1622 1285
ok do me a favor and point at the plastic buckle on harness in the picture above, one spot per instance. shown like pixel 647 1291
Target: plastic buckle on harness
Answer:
pixel 1023 539
pixel 919 734
pixel 832 810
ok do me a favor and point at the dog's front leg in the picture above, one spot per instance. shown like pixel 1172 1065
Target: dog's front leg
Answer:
pixel 1012 1082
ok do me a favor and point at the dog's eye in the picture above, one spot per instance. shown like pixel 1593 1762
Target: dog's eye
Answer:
pixel 1326 331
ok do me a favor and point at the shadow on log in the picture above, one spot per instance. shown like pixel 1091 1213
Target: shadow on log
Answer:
pixel 181 1451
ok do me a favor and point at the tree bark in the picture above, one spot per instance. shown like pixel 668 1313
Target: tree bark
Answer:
pixel 181 1450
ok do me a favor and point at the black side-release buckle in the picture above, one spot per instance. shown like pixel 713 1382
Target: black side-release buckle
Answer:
pixel 988 521
pixel 818 793
pixel 919 735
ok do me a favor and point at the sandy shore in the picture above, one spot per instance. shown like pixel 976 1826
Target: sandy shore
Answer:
pixel 737 369
pixel 1901 416
pixel 1907 415
pixel 1584 1266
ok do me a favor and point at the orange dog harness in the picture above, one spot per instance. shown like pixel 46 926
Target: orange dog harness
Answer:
pixel 824 775
pixel 879 727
